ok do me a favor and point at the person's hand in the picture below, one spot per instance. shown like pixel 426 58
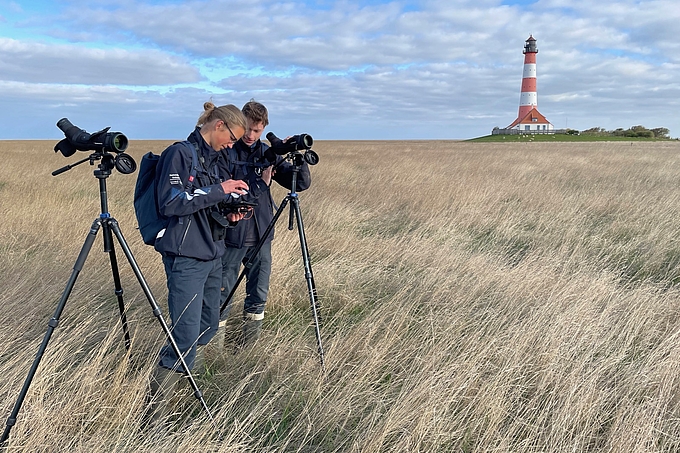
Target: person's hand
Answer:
pixel 235 186
pixel 244 212
pixel 267 174
pixel 234 217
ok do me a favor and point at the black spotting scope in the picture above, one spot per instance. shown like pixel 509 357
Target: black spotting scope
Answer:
pixel 78 139
pixel 294 143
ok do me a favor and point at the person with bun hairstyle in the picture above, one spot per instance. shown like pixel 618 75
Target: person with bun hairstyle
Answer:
pixel 192 244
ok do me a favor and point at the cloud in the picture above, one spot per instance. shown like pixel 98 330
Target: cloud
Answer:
pixel 35 62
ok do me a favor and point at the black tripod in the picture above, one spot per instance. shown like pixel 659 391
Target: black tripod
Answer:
pixel 109 225
pixel 292 197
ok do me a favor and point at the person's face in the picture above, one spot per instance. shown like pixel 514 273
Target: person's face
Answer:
pixel 225 137
pixel 253 132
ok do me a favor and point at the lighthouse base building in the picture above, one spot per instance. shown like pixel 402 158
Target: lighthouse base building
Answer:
pixel 532 123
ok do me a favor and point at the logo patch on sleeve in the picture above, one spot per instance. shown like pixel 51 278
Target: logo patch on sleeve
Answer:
pixel 175 179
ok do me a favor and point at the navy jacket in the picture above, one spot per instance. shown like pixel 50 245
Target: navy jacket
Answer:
pixel 249 160
pixel 189 232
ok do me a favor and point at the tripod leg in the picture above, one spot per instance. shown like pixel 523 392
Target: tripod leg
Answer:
pixel 295 205
pixel 110 249
pixel 52 324
pixel 253 254
pixel 233 290
pixel 159 316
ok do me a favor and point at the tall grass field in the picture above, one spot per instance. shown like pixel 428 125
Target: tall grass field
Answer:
pixel 475 297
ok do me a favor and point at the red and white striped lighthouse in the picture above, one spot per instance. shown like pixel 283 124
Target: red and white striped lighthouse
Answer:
pixel 528 118
pixel 528 98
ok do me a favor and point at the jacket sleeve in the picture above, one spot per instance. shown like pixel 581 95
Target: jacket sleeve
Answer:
pixel 255 184
pixel 173 198
pixel 284 175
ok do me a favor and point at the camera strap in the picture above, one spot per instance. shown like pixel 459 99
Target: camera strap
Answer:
pixel 213 177
pixel 230 156
pixel 254 160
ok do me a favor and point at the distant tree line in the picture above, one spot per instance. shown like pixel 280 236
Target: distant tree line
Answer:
pixel 635 131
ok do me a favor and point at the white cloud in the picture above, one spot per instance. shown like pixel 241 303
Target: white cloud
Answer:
pixel 67 63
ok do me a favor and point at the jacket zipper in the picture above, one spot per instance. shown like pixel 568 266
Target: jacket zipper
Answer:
pixel 184 236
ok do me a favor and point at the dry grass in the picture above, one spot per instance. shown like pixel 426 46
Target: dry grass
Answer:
pixel 476 297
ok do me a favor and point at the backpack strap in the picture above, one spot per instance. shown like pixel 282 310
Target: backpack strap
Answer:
pixel 232 161
pixel 194 164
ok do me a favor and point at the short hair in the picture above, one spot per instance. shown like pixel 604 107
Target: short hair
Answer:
pixel 256 112
pixel 229 113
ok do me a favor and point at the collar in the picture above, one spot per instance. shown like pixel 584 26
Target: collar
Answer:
pixel 204 150
pixel 247 150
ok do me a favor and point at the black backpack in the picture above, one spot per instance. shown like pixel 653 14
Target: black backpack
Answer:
pixel 149 219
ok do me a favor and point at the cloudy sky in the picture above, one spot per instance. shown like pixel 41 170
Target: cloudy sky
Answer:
pixel 375 69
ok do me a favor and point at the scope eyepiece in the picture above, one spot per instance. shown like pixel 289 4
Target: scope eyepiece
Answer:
pixel 74 134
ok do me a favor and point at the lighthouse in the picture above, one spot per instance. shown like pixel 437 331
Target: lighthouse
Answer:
pixel 529 120
pixel 528 99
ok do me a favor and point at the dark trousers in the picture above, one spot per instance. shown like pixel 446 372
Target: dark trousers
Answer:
pixel 257 278
pixel 194 304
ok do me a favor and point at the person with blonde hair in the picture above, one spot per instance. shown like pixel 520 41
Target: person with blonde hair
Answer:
pixel 192 244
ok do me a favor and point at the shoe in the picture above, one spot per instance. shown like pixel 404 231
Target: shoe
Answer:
pixel 252 327
pixel 161 389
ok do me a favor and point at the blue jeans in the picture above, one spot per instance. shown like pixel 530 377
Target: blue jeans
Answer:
pixel 194 304
pixel 257 278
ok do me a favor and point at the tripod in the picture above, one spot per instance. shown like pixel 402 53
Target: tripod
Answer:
pixel 294 200
pixel 109 225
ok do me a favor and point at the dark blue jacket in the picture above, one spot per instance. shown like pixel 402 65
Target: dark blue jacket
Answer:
pixel 189 232
pixel 250 159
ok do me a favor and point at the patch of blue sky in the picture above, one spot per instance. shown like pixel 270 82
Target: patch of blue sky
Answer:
pixel 28 14
pixel 163 2
pixel 8 31
pixel 406 5
pixel 163 90
pixel 564 10
pixel 21 20
pixel 217 69
pixel 220 68
pixel 355 70
pixel 23 8
pixel 518 2
pixel 405 66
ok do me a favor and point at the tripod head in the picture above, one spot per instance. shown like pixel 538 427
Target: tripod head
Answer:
pixel 124 163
